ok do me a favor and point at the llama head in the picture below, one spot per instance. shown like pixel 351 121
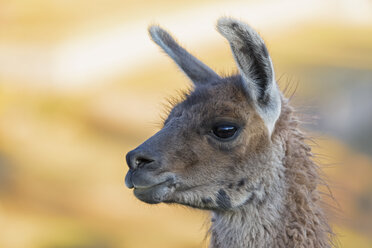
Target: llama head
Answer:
pixel 212 149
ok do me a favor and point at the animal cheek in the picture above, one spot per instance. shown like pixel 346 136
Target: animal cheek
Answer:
pixel 187 157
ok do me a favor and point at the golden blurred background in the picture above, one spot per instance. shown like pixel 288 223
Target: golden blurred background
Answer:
pixel 81 84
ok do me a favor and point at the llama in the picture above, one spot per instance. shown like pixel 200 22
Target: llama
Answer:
pixel 233 146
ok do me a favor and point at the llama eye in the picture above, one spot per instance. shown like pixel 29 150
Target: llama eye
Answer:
pixel 224 131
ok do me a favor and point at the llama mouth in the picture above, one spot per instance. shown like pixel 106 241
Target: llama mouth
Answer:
pixel 146 182
pixel 144 187
pixel 155 193
pixel 141 179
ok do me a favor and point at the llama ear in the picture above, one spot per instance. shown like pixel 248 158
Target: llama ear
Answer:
pixel 197 71
pixel 255 66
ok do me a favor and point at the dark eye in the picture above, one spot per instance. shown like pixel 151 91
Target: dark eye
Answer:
pixel 224 131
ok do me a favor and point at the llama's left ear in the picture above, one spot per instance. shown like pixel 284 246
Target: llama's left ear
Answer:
pixel 256 68
pixel 197 71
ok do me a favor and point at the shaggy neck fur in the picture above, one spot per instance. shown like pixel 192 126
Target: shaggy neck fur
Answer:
pixel 284 213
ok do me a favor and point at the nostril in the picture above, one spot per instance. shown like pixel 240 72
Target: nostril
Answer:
pixel 141 161
pixel 137 159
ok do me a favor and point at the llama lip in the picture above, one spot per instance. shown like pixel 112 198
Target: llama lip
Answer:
pixel 140 179
pixel 128 179
pixel 153 194
pixel 143 187
pixel 147 186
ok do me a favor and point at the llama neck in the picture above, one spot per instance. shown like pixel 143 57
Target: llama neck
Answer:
pixel 290 216
pixel 259 223
pixel 247 227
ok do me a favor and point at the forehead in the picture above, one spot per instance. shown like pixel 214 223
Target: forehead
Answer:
pixel 224 98
pixel 228 89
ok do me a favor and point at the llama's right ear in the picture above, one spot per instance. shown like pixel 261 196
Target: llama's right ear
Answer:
pixel 198 72
pixel 255 66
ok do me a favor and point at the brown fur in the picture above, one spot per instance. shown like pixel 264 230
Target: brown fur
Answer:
pixel 260 183
pixel 305 223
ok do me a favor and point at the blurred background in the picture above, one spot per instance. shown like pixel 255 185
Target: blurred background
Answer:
pixel 81 84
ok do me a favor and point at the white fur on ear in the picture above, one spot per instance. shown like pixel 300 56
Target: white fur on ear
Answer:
pixel 256 68
pixel 271 113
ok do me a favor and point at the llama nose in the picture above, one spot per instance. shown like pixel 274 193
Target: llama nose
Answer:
pixel 137 159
